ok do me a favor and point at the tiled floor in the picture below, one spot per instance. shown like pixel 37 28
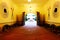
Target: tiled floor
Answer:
pixel 29 33
pixel 34 33
pixel 31 23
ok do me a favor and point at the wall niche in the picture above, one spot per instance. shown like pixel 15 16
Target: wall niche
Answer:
pixel 56 8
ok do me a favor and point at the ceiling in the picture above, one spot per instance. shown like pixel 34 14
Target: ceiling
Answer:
pixel 18 2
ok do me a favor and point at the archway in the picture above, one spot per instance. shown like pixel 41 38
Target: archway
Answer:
pixel 30 19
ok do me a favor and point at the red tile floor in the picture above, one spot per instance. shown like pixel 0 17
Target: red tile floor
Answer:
pixel 29 33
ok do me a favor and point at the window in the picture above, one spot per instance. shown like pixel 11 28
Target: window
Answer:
pixel 5 11
pixel 55 10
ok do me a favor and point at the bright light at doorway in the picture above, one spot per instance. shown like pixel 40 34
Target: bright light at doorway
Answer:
pixel 31 20
pixel 29 0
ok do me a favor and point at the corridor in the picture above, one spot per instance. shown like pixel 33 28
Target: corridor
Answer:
pixel 29 19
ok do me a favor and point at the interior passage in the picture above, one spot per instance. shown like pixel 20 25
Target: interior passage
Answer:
pixel 29 19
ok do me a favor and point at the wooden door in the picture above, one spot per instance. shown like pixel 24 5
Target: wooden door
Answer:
pixel 23 18
pixel 38 18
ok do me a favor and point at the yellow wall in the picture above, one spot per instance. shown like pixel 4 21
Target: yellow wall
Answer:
pixel 43 8
pixel 22 7
pixel 7 17
pixel 52 19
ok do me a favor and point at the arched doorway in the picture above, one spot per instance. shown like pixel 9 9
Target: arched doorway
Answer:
pixel 30 19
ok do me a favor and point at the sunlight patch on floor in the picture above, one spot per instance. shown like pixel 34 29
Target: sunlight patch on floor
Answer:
pixel 30 23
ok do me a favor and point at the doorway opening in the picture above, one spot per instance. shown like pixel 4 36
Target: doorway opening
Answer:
pixel 30 20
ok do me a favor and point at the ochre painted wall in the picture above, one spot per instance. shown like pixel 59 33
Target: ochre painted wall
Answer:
pixel 44 9
pixel 50 16
pixel 10 8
